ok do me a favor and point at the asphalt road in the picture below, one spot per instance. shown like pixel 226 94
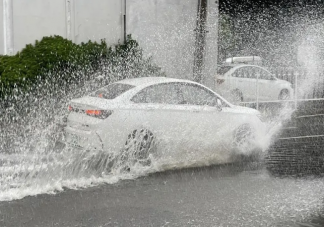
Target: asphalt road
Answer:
pixel 232 195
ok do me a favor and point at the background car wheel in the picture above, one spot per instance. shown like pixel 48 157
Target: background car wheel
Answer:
pixel 236 96
pixel 138 150
pixel 284 94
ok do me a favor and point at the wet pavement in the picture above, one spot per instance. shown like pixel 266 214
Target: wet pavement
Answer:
pixel 230 195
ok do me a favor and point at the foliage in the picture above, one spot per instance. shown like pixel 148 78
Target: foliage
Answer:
pixel 55 61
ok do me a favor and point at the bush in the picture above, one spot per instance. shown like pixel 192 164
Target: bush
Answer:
pixel 58 61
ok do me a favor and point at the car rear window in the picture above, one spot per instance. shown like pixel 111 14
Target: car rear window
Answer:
pixel 112 91
pixel 221 70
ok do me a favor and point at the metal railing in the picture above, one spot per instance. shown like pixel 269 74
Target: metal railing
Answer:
pixel 299 79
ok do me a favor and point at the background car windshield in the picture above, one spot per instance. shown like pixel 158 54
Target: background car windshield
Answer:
pixel 112 91
pixel 221 70
pixel 263 74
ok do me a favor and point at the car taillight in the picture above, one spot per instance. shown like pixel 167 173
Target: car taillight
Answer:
pixel 102 114
pixel 93 112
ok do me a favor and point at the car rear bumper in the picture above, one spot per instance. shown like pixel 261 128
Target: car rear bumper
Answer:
pixel 83 139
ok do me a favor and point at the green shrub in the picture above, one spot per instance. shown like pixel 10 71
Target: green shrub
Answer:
pixel 58 61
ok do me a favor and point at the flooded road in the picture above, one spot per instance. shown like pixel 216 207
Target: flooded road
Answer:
pixel 229 195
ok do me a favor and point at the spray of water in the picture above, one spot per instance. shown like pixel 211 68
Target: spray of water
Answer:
pixel 29 162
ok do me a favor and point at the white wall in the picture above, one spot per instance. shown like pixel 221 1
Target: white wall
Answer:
pixel 1 29
pixel 98 19
pixel 165 29
pixel 34 19
pixel 78 20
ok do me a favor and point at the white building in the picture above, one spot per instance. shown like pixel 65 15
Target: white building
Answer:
pixel 164 28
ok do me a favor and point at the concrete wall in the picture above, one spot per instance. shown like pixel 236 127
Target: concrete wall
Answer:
pixel 1 29
pixel 165 29
pixel 98 19
pixel 78 20
pixel 34 19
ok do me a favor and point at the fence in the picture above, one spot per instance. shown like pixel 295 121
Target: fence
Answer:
pixel 307 86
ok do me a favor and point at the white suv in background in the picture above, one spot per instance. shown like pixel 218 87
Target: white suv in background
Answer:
pixel 239 81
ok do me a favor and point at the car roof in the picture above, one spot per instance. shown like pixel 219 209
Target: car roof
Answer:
pixel 142 82
pixel 240 65
pixel 233 67
pixel 146 81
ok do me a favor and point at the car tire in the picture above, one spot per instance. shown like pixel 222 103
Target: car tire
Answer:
pixel 284 94
pixel 138 150
pixel 243 136
pixel 236 96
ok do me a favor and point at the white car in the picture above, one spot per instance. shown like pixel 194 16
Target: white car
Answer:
pixel 169 121
pixel 251 83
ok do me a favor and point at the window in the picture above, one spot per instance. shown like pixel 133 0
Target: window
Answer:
pixel 263 74
pixel 245 72
pixel 221 70
pixel 238 73
pixel 112 91
pixel 197 95
pixel 162 93
pixel 251 73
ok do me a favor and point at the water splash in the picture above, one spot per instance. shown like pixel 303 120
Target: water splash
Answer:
pixel 28 163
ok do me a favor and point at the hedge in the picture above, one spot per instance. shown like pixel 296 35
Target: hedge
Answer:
pixel 57 60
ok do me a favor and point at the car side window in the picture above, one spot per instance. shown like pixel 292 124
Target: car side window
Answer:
pixel 244 72
pixel 162 93
pixel 196 95
pixel 237 73
pixel 251 72
pixel 264 75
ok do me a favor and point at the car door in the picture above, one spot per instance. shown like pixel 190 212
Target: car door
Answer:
pixel 267 86
pixel 245 82
pixel 209 127
pixel 160 109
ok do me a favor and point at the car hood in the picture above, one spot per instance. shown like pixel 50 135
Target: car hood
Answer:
pixel 284 82
pixel 246 110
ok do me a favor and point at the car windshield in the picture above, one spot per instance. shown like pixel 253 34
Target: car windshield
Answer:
pixel 221 70
pixel 112 91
